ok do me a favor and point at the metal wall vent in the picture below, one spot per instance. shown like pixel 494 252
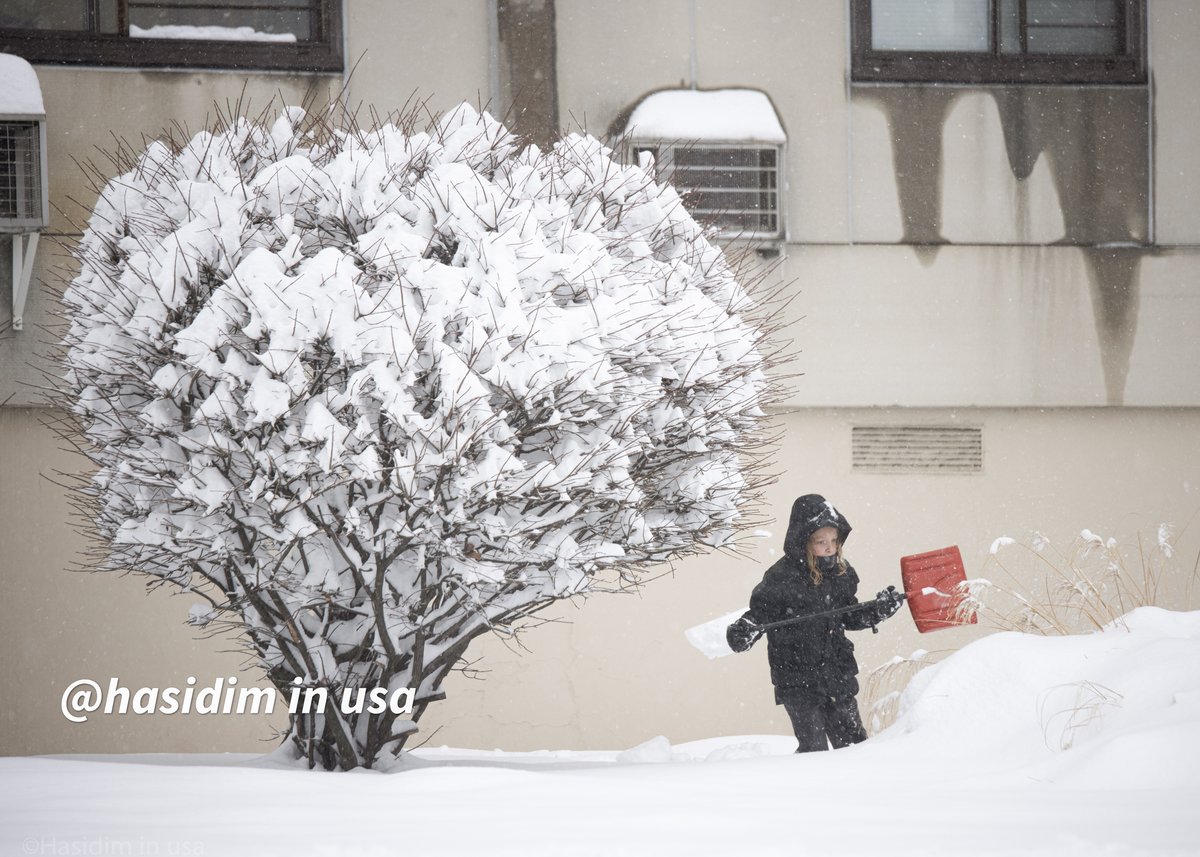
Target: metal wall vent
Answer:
pixel 917 449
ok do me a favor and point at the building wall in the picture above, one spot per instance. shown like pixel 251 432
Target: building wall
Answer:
pixel 619 670
pixel 992 326
pixel 397 52
pixel 1076 361
pixel 1042 258
pixel 612 670
pixel 1176 101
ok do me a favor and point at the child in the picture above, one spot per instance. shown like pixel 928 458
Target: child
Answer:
pixel 812 663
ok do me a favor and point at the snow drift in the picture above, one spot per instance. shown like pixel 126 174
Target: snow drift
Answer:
pixel 1017 745
pixel 1117 708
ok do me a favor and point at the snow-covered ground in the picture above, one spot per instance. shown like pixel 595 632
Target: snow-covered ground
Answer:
pixel 1016 745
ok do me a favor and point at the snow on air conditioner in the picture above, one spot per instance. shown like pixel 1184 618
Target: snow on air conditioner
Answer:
pixel 723 150
pixel 24 200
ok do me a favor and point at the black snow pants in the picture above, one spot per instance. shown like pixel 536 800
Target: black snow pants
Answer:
pixel 832 718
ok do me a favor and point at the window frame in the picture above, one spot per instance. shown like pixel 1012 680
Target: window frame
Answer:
pixel 868 65
pixel 71 47
pixel 664 167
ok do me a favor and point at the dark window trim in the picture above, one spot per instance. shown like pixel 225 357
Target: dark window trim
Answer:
pixel 872 66
pixel 59 47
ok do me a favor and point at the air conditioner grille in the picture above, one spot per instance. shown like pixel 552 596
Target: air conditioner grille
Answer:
pixel 20 172
pixel 918 449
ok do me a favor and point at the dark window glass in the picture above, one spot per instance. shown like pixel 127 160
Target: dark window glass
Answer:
pixel 262 19
pixel 45 14
pixel 1072 26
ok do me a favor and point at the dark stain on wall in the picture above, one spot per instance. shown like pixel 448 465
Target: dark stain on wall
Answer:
pixel 1115 299
pixel 528 68
pixel 1096 142
pixel 916 116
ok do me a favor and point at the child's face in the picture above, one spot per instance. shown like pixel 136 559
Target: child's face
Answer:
pixel 824 542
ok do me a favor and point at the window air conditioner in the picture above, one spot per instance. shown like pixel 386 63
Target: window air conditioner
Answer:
pixel 723 150
pixel 24 200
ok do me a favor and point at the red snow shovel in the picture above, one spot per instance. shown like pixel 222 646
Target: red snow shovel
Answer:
pixel 931 587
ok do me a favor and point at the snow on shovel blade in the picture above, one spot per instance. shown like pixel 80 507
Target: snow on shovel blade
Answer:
pixel 932 588
pixel 709 637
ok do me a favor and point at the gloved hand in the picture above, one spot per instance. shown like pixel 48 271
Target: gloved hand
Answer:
pixel 887 602
pixel 742 634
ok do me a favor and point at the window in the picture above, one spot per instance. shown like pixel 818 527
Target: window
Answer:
pixel 734 187
pixel 998 41
pixel 296 35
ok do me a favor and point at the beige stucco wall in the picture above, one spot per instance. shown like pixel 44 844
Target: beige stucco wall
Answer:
pixel 990 326
pixel 61 624
pixel 1000 164
pixel 88 110
pixel 1041 311
pixel 1014 187
pixel 614 670
pixel 399 51
pixel 841 172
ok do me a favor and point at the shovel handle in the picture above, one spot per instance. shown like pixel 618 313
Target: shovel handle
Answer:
pixel 835 612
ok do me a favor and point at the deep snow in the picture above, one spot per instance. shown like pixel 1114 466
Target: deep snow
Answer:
pixel 1016 745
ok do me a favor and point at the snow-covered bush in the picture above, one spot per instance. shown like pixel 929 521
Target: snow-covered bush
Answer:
pixel 375 392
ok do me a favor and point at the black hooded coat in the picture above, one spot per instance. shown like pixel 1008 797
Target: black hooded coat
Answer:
pixel 810 660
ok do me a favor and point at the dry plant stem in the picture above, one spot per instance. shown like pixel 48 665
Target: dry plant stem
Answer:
pixel 1090 700
pixel 885 684
pixel 1093 586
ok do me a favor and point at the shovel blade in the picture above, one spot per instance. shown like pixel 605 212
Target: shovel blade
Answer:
pixel 709 637
pixel 932 589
